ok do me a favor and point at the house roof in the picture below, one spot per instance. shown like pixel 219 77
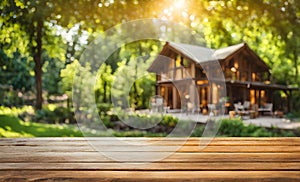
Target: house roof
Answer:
pixel 201 54
pixel 223 53
pixel 196 53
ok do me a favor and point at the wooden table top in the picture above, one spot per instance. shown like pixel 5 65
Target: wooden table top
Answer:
pixel 74 159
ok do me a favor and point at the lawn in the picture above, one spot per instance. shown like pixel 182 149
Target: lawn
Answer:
pixel 12 126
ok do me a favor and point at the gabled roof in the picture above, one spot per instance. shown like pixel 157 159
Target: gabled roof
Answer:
pixel 223 53
pixel 196 53
pixel 201 54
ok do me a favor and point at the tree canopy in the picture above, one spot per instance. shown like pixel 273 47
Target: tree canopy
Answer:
pixel 39 38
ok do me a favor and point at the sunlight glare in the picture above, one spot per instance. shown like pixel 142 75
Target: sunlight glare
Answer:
pixel 179 4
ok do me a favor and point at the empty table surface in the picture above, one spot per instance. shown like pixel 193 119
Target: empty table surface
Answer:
pixel 223 159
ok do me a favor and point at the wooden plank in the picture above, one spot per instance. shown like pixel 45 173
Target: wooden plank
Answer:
pixel 176 157
pixel 131 148
pixel 150 175
pixel 157 166
pixel 167 143
pixel 75 139
pixel 225 159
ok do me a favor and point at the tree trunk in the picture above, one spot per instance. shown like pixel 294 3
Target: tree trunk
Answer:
pixel 296 66
pixel 104 91
pixel 38 65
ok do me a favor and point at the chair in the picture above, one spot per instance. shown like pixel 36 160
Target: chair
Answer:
pixel 190 107
pixel 238 107
pixel 246 105
pixel 211 108
pixel 267 108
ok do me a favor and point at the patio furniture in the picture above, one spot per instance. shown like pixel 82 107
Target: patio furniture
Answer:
pixel 254 107
pixel 157 105
pixel 232 114
pixel 244 110
pixel 238 107
pixel 267 108
pixel 279 114
pixel 190 108
pixel 246 105
pixel 250 114
pixel 211 109
pixel 166 109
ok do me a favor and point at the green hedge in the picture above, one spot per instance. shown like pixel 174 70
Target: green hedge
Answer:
pixel 236 128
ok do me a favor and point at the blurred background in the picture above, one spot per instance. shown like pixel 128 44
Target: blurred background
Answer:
pixel 41 42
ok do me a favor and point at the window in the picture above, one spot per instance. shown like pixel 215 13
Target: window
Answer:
pixel 186 63
pixel 178 61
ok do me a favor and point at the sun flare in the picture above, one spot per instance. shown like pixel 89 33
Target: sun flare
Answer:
pixel 179 4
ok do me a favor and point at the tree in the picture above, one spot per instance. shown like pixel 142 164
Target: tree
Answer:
pixel 103 85
pixel 31 17
pixel 30 27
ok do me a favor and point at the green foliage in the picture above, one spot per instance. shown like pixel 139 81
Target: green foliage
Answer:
pixel 54 115
pixel 271 28
pixel 138 134
pixel 296 103
pixel 103 84
pixel 231 127
pixel 293 116
pixel 165 120
pixel 15 71
pixel 169 121
pixel 11 126
pixel 132 77
pixel 103 108
pixel 77 82
pixel 15 111
pixel 52 68
pixel 67 77
pixel 107 121
pixel 236 128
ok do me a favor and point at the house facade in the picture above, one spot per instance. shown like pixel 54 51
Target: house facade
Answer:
pixel 245 77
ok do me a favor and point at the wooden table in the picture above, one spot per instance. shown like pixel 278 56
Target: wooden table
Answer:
pixel 229 159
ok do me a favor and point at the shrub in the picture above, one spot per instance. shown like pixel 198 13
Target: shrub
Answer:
pixel 107 121
pixel 169 121
pixel 103 108
pixel 293 115
pixel 236 128
pixel 54 115
pixel 231 127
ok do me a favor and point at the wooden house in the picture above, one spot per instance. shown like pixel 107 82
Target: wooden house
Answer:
pixel 246 76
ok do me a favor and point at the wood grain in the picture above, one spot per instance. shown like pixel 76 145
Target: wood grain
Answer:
pixel 224 159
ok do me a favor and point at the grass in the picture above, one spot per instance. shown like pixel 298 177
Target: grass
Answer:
pixel 12 126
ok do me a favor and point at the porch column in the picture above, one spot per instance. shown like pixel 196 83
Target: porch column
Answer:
pixel 290 100
pixel 166 95
pixel 291 95
pixel 174 97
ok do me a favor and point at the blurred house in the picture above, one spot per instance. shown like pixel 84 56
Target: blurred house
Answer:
pixel 180 68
